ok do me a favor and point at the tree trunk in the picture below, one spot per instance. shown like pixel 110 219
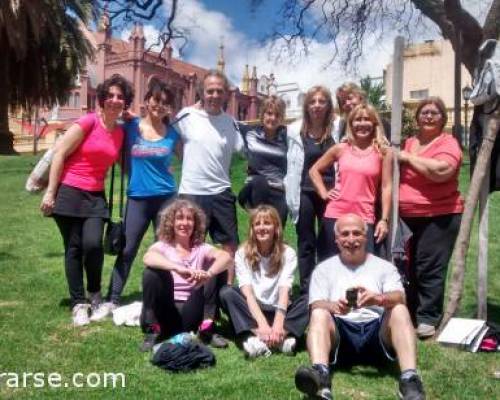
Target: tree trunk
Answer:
pixel 462 244
pixel 6 137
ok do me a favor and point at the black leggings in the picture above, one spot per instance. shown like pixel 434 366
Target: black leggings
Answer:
pixel 160 308
pixel 82 249
pixel 311 247
pixel 258 191
pixel 430 250
pixel 138 216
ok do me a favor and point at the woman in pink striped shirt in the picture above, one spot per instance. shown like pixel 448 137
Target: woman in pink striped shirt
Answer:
pixel 363 177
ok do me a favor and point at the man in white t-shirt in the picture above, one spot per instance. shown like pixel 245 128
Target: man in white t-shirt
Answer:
pixel 358 316
pixel 210 137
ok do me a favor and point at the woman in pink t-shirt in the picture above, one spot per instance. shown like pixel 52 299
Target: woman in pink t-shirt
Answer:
pixel 75 193
pixel 431 205
pixel 363 177
pixel 178 269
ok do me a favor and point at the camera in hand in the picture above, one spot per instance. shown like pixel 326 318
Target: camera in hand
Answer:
pixel 351 296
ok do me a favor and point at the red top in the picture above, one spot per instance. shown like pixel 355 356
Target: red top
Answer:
pixel 421 197
pixel 87 166
pixel 357 184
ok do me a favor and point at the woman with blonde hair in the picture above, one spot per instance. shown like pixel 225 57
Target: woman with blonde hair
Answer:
pixel 308 140
pixel 265 149
pixel 261 308
pixel 364 174
pixel 177 267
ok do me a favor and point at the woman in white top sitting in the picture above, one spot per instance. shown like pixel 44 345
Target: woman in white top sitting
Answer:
pixel 261 309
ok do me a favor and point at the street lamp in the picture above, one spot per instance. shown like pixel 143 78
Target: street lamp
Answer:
pixel 466 92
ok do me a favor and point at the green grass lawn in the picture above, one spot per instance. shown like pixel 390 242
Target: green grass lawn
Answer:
pixel 36 333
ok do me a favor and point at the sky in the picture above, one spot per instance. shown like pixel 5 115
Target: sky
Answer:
pixel 243 32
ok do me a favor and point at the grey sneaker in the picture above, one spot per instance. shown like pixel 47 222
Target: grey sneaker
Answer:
pixel 150 340
pixel 288 346
pixel 254 347
pixel 95 300
pixel 411 389
pixel 425 331
pixel 313 383
pixel 103 311
pixel 80 314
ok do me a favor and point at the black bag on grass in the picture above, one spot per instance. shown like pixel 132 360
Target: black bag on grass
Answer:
pixel 183 357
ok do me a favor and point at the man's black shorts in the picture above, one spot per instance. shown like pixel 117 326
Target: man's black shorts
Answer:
pixel 220 210
pixel 360 343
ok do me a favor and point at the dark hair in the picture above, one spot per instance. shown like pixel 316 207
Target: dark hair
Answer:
pixel 119 81
pixel 155 90
pixel 438 102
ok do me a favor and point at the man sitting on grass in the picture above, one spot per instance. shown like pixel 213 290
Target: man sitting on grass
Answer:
pixel 358 316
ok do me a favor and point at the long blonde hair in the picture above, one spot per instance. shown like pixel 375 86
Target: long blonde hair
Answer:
pixel 328 121
pixel 380 142
pixel 252 255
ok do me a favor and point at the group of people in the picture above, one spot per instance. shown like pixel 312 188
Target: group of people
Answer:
pixel 331 174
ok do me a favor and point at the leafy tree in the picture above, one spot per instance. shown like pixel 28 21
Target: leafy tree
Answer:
pixel 375 92
pixel 42 50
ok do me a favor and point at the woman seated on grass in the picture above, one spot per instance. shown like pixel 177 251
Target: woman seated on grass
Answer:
pixel 261 308
pixel 177 268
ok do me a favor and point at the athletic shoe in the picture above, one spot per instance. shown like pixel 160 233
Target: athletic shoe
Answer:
pixel 411 389
pixel 425 331
pixel 81 314
pixel 288 346
pixel 313 383
pixel 213 339
pixel 103 311
pixel 150 340
pixel 254 347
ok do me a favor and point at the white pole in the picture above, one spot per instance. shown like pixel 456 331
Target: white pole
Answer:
pixel 396 123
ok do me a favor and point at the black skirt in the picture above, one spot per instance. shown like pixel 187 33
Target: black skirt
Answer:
pixel 75 202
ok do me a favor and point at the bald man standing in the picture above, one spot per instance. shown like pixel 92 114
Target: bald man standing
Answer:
pixel 358 316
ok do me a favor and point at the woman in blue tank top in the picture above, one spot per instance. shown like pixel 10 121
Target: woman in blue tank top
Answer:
pixel 150 145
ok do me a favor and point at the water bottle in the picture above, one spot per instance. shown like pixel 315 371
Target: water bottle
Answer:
pixel 183 338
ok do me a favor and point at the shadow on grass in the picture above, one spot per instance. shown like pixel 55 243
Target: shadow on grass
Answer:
pixel 494 313
pixel 130 298
pixel 54 254
pixel 4 256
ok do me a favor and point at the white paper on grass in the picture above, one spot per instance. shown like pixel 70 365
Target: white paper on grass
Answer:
pixel 461 332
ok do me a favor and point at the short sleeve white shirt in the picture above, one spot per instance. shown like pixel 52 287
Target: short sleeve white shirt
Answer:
pixel 266 288
pixel 209 143
pixel 331 278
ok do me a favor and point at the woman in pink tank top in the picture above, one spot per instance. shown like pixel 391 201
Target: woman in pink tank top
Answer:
pixel 363 177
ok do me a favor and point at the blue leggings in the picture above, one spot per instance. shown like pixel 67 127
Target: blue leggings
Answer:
pixel 139 213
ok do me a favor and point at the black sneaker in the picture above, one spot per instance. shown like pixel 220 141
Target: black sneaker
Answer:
pixel 411 389
pixel 313 383
pixel 213 339
pixel 150 340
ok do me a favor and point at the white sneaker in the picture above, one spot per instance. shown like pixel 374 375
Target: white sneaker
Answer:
pixel 254 347
pixel 103 311
pixel 81 314
pixel 288 346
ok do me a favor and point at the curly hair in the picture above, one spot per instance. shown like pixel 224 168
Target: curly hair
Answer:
pixel 119 81
pixel 156 89
pixel 379 140
pixel 165 231
pixel 438 102
pixel 251 250
pixel 327 122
